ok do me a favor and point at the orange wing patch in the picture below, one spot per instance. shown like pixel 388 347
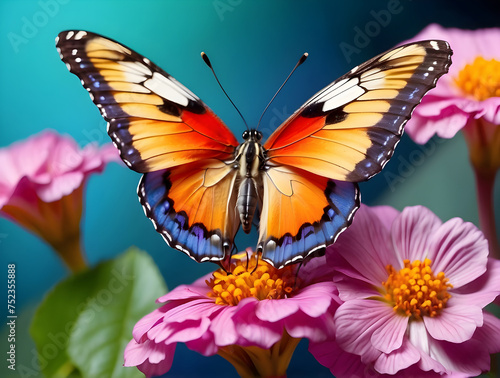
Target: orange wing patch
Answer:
pixel 193 207
pixel 291 199
pixel 206 194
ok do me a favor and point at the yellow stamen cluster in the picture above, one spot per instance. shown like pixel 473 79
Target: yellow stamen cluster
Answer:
pixel 244 280
pixel 481 79
pixel 415 291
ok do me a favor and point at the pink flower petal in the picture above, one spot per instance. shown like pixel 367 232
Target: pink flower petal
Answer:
pixel 254 331
pixel 340 363
pixel 187 331
pixel 483 290
pixel 397 360
pixel 151 359
pixel 389 335
pixel 183 292
pixel 468 359
pixel 460 250
pixel 410 234
pixel 489 334
pixel 363 246
pixel 147 321
pixel 418 336
pixel 352 286
pixel 274 310
pixel 223 327
pixel 455 324
pixel 317 329
pixel 357 321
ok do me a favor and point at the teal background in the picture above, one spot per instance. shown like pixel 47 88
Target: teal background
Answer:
pixel 252 45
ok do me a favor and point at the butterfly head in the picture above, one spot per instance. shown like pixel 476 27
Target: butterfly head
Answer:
pixel 253 135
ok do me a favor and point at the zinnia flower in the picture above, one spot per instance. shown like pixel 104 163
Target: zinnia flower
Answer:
pixel 41 188
pixel 254 317
pixel 467 99
pixel 413 291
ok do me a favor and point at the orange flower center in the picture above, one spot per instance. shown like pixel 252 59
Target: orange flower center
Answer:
pixel 481 79
pixel 244 280
pixel 415 291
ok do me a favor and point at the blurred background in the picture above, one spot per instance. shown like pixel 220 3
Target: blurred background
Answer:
pixel 253 44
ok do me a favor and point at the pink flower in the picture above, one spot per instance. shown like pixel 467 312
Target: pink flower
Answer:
pixel 41 188
pixel 253 319
pixel 468 99
pixel 413 291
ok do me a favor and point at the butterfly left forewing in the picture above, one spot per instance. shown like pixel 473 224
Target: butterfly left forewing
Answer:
pixel 347 132
pixel 154 120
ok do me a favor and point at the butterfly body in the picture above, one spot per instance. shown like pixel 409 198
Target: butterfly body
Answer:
pixel 199 184
pixel 251 162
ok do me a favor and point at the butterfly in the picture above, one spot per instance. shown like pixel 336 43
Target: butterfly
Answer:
pixel 200 184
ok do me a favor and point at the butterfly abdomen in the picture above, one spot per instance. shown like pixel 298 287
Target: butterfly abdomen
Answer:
pixel 247 202
pixel 249 156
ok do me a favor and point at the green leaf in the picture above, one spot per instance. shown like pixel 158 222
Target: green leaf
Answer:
pixel 88 318
pixel 104 327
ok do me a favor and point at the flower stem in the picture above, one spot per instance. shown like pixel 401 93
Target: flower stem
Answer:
pixel 485 183
pixel 483 140
pixel 253 361
pixel 71 253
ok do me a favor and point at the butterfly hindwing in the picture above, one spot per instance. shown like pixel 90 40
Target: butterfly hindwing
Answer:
pixel 302 213
pixel 202 229
pixel 347 132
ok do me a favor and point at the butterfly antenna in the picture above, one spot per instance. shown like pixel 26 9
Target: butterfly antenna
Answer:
pixel 209 64
pixel 301 60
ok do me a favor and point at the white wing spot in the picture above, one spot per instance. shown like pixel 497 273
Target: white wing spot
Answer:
pixel 354 69
pixel 80 34
pixel 73 52
pixel 78 60
pixel 343 97
pixel 70 34
pixel 431 68
pixel 434 45
pixel 169 89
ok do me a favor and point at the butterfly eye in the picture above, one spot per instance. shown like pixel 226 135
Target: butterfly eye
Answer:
pixel 258 136
pixel 246 134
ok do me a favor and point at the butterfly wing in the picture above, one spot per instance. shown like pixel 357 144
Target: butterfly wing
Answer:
pixel 155 121
pixel 348 132
pixel 163 130
pixel 193 206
